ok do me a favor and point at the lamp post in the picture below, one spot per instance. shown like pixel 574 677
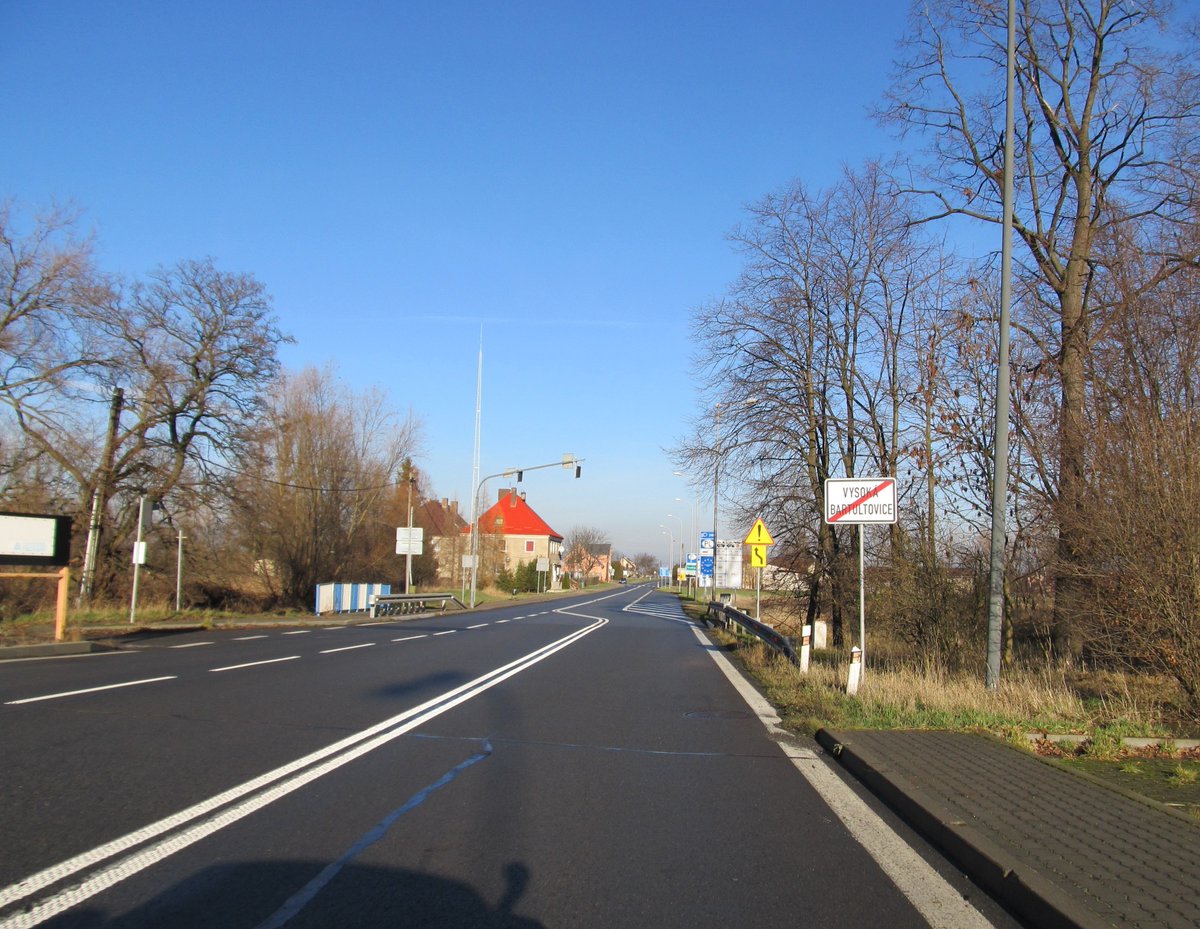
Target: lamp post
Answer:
pixel 670 551
pixel 681 557
pixel 670 545
pixel 719 455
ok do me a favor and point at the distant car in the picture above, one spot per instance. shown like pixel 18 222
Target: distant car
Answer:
pixel 623 581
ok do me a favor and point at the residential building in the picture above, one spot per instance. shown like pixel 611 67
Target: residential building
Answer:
pixel 511 533
pixel 444 528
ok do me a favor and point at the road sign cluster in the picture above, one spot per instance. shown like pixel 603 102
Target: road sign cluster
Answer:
pixel 758 538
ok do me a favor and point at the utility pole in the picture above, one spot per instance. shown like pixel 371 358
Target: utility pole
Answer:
pixel 100 499
pixel 408 558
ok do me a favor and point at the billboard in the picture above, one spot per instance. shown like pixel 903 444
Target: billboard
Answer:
pixel 727 564
pixel 35 539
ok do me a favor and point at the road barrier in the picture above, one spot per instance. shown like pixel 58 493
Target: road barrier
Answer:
pixel 406 604
pixel 727 616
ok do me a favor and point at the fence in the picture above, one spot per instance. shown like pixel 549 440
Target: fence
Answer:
pixel 728 616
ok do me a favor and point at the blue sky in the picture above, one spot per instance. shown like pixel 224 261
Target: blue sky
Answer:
pixel 399 175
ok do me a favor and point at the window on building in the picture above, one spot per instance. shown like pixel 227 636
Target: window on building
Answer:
pixel 529 546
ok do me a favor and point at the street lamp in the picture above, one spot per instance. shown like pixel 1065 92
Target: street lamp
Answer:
pixel 670 551
pixel 719 454
pixel 681 558
pixel 670 545
pixel 568 461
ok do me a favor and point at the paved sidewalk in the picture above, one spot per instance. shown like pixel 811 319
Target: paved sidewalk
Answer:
pixel 1057 849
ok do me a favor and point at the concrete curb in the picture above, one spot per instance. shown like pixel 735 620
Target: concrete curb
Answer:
pixel 50 649
pixel 1014 883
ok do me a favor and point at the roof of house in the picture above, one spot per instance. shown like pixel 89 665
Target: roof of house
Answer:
pixel 441 517
pixel 511 515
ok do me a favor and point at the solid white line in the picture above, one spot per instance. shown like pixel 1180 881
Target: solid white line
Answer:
pixel 288 779
pixel 409 638
pixel 941 905
pixel 247 638
pixel 478 626
pixel 346 648
pixel 253 664
pixel 191 645
pixel 90 690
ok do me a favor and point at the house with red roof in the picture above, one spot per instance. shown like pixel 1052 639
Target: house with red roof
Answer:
pixel 512 533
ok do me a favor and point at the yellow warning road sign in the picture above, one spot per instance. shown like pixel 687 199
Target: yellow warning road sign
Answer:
pixel 758 534
pixel 758 556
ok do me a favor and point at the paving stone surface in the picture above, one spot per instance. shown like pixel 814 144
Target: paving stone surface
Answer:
pixel 1091 855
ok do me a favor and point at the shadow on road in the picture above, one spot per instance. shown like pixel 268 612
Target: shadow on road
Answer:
pixel 255 896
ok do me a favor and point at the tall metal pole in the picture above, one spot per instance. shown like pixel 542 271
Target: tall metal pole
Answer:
pixel 138 557
pixel 716 495
pixel 681 553
pixel 408 557
pixel 475 471
pixel 179 574
pixel 862 604
pixel 1000 447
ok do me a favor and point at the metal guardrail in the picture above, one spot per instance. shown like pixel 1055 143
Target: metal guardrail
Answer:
pixel 729 616
pixel 406 604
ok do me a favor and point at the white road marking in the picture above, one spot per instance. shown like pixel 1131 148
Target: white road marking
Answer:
pixel 409 638
pixel 253 664
pixel 345 648
pixel 191 644
pixel 941 905
pixel 447 632
pixel 499 621
pixel 203 819
pixel 478 626
pixel 90 690
pixel 247 638
pixel 298 632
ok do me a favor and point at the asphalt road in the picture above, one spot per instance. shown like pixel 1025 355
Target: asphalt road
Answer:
pixel 578 763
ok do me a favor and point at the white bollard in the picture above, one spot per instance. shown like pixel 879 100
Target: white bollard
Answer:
pixel 805 648
pixel 855 671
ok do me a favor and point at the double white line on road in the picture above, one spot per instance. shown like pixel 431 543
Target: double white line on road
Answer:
pixel 98 870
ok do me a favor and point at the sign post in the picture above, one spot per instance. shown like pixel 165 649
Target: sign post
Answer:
pixel 758 538
pixel 857 501
pixel 37 540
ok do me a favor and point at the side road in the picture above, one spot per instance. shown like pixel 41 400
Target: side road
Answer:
pixel 1057 849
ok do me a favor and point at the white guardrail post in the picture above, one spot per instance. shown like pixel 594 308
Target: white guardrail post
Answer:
pixel 855 671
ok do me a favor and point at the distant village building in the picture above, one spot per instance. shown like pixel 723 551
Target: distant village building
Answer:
pixel 444 528
pixel 590 563
pixel 511 533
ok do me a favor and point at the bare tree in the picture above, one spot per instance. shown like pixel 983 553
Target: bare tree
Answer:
pixel 1107 116
pixel 192 348
pixel 587 549
pixel 327 465
pixel 813 354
